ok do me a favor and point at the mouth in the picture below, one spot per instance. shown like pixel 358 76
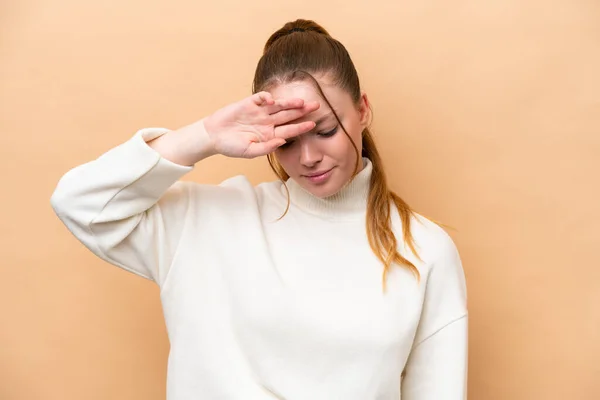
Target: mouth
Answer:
pixel 318 177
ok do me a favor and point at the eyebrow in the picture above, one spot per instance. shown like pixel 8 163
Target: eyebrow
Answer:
pixel 323 118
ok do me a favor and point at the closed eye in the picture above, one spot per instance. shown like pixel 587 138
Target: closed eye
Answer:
pixel 329 133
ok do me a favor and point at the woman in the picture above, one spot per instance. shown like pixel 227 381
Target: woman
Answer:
pixel 321 285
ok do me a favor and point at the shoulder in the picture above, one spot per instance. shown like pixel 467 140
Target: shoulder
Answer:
pixel 433 241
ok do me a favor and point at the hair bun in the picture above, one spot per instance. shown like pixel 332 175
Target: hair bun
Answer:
pixel 304 25
pixel 299 25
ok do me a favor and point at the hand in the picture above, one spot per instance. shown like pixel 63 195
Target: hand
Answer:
pixel 257 125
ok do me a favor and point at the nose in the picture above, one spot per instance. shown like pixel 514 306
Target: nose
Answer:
pixel 310 154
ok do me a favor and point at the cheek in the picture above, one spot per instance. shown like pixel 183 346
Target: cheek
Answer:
pixel 345 145
pixel 342 145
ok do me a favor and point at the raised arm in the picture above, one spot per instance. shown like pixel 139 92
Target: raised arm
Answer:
pixel 128 207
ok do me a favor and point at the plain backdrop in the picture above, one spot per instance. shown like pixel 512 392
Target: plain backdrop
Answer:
pixel 487 115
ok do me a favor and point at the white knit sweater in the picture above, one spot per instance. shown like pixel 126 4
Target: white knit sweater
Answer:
pixel 259 308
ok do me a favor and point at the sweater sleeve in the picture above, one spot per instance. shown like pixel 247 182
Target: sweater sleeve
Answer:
pixel 437 366
pixel 126 206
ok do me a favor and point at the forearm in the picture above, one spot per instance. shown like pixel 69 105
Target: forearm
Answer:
pixel 185 146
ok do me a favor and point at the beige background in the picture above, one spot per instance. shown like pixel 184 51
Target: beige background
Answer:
pixel 487 115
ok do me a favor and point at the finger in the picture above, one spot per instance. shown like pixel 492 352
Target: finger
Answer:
pixel 284 104
pixel 262 98
pixel 289 131
pixel 264 148
pixel 285 116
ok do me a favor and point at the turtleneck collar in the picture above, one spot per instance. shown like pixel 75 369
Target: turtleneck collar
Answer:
pixel 350 201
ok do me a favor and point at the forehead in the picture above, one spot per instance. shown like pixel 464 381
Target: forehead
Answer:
pixel 307 90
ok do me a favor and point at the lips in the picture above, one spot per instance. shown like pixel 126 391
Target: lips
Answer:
pixel 318 177
pixel 314 175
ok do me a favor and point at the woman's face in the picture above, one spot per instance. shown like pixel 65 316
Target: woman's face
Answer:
pixel 323 160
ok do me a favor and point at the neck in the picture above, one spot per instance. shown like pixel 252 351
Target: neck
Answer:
pixel 349 202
